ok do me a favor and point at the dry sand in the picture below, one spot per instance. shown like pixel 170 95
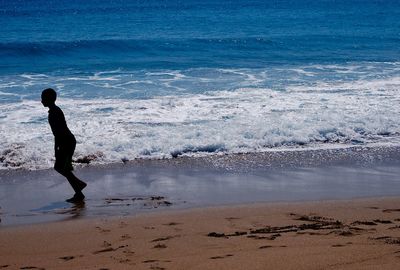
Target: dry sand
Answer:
pixel 357 234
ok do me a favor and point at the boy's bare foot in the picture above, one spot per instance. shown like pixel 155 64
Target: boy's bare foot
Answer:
pixel 78 197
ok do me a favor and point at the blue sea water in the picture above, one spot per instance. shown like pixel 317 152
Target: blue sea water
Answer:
pixel 165 78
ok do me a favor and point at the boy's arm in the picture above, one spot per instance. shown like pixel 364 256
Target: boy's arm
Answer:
pixel 56 118
pixel 58 126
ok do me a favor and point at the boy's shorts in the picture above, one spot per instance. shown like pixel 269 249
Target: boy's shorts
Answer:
pixel 64 157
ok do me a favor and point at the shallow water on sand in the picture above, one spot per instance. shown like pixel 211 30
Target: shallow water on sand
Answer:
pixel 159 185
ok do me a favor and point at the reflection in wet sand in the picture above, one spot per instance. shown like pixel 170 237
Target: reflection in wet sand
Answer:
pixel 77 210
pixel 148 185
pixel 70 210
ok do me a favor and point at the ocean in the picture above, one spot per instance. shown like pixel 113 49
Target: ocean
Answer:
pixel 163 79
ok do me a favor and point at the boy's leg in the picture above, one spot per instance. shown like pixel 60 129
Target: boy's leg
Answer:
pixel 77 184
pixel 63 165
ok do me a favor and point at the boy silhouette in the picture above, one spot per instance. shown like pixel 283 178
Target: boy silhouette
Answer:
pixel 64 144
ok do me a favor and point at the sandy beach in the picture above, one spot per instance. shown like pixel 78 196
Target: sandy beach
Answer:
pixel 351 234
pixel 322 209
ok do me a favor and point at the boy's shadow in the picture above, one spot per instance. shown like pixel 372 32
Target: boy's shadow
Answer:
pixel 72 210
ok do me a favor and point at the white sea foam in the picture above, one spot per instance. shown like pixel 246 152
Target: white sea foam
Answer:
pixel 244 120
pixel 245 115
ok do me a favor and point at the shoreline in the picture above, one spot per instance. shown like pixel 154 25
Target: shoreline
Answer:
pixel 346 234
pixel 181 183
pixel 272 158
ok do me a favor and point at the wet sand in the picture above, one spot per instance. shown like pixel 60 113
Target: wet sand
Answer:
pixel 153 185
pixel 355 234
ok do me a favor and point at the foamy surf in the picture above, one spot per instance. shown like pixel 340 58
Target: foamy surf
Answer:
pixel 324 113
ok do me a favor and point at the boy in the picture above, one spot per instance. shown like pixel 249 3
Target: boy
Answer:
pixel 64 144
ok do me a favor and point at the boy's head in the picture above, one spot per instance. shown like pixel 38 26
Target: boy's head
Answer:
pixel 49 97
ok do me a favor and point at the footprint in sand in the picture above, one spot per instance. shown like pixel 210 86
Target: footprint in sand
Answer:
pixel 383 221
pixel 223 235
pixel 154 261
pixel 256 237
pixel 271 237
pixel 232 218
pixel 125 237
pixel 217 235
pixel 108 249
pixel 123 224
pixel 150 261
pixel 390 210
pixel 368 223
pixel 121 260
pixel 338 245
pixel 264 247
pixel 106 244
pixel 267 246
pixel 67 258
pixel 160 246
pixel 231 221
pixel 154 267
pixel 155 264
pixel 172 224
pixel 128 252
pixel 221 257
pixel 164 238
pixel 102 230
pixel 388 240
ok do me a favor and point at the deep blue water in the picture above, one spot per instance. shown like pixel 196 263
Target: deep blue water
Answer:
pixel 46 36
